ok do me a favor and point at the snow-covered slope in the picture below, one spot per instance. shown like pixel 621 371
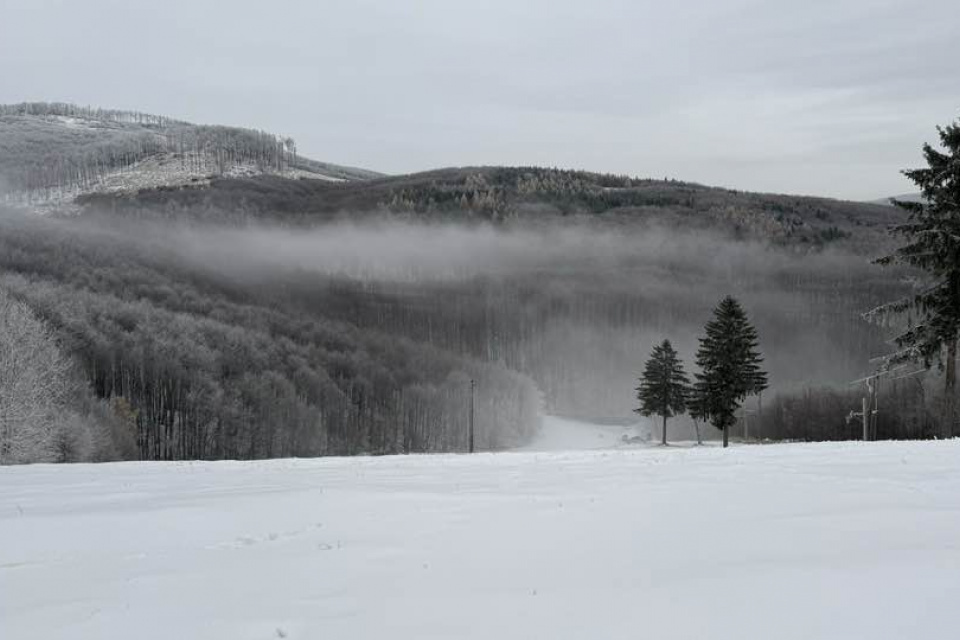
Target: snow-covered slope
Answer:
pixel 158 170
pixel 840 541
pixel 50 153
pixel 564 434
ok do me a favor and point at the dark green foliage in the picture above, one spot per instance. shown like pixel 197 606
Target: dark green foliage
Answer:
pixel 729 361
pixel 931 238
pixel 664 386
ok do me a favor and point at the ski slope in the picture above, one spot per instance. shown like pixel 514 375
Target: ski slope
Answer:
pixel 841 541
pixel 564 434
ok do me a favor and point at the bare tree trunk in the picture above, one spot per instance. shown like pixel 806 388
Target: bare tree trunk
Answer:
pixel 473 412
pixel 696 425
pixel 760 417
pixel 664 430
pixel 866 419
pixel 950 390
pixel 726 434
pixel 34 386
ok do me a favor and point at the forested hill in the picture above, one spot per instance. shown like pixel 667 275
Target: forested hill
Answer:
pixel 52 152
pixel 527 195
pixel 239 307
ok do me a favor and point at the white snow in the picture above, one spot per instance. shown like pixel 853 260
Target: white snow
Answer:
pixel 75 123
pixel 565 434
pixel 159 170
pixel 842 541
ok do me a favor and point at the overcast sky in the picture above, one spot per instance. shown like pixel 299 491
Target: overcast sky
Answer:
pixel 827 97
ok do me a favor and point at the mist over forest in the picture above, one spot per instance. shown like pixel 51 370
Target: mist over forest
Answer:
pixel 571 304
pixel 503 320
pixel 260 339
pixel 218 295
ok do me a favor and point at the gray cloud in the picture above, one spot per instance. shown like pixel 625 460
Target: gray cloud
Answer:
pixel 825 97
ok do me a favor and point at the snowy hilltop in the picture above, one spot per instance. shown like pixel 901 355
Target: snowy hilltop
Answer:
pixel 53 152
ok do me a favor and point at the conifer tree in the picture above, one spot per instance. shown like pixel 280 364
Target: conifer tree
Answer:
pixel 663 386
pixel 932 245
pixel 729 359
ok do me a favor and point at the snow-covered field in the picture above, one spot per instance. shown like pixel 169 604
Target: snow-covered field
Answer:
pixel 838 541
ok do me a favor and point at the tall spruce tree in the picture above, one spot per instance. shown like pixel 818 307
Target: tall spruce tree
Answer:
pixel 664 386
pixel 932 245
pixel 729 361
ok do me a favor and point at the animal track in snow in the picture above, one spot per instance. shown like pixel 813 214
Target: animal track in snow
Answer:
pixel 241 542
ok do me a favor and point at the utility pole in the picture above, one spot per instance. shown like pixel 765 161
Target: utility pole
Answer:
pixel 760 417
pixel 871 396
pixel 864 416
pixel 473 411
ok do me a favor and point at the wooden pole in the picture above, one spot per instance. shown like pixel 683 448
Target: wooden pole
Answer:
pixel 473 411
pixel 949 404
pixel 866 419
pixel 760 417
pixel 875 415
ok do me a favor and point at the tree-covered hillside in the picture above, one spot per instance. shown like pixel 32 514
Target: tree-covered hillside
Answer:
pixel 54 151
pixel 218 367
pixel 268 315
pixel 526 195
pixel 260 339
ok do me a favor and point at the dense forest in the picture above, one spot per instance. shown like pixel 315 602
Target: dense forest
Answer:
pixel 215 368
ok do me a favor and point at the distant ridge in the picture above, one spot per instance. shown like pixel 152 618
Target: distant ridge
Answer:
pixel 52 152
pixel 906 197
pixel 518 196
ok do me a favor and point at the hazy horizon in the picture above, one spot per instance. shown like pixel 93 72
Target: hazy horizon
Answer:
pixel 828 99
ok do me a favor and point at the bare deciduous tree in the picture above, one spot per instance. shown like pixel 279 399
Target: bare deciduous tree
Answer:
pixel 34 383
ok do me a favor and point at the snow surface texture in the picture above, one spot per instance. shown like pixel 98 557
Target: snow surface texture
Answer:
pixel 842 541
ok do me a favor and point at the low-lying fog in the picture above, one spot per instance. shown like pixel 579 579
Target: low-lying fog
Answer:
pixel 576 306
